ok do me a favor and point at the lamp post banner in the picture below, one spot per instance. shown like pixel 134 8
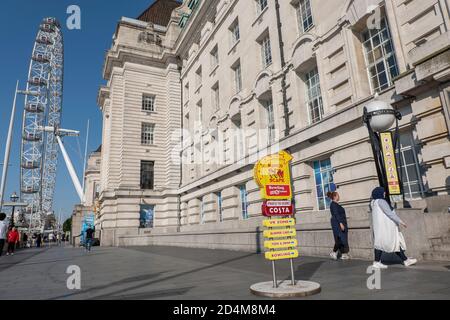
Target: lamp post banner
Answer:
pixel 390 164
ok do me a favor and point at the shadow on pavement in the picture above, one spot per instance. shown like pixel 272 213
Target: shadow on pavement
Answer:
pixel 127 280
pixel 112 284
pixel 19 257
pixel 148 294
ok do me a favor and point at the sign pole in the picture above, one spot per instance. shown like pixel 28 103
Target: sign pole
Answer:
pixel 275 282
pixel 292 272
pixel 274 270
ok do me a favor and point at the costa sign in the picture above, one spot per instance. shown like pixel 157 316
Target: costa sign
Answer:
pixel 270 210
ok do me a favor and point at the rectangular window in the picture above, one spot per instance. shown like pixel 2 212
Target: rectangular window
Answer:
pixel 96 191
pixel 411 170
pixel 314 96
pixel 202 211
pixel 216 96
pixel 235 33
pixel 266 52
pixel 148 134
pixel 198 77
pixel 238 78
pixel 244 202
pixel 268 105
pixel 214 57
pixel 186 93
pixel 147 175
pixel 146 216
pixel 187 125
pixel 304 14
pixel 220 206
pixel 200 112
pixel 380 56
pixel 148 103
pixel 323 173
pixel 262 4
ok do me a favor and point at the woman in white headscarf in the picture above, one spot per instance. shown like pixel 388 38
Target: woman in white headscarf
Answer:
pixel 387 236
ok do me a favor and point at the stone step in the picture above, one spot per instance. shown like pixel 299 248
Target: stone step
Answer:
pixel 442 247
pixel 437 256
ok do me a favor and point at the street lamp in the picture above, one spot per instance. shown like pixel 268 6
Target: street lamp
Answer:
pixel 14 198
pixel 379 117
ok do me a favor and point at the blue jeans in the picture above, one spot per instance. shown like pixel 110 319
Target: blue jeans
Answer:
pixel 88 244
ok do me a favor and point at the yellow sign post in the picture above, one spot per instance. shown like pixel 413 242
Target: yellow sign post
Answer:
pixel 273 176
pixel 390 163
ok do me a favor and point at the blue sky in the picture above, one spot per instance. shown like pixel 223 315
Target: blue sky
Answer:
pixel 84 53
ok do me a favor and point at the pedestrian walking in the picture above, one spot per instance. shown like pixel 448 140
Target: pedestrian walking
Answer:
pixel 38 240
pixel 13 239
pixel 3 232
pixel 340 228
pixel 24 240
pixel 386 232
pixel 89 238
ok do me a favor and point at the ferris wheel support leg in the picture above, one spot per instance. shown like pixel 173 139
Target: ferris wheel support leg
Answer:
pixel 71 169
pixel 8 149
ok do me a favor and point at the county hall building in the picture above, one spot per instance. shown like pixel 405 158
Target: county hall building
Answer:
pixel 197 91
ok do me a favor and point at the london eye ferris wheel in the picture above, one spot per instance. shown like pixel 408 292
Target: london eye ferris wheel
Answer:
pixel 43 106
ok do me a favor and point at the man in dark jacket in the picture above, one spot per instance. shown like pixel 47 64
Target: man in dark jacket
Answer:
pixel 89 238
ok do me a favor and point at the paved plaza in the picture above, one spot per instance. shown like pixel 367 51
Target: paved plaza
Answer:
pixel 198 274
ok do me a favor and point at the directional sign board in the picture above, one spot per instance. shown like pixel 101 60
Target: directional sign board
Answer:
pixel 281 255
pixel 280 233
pixel 277 223
pixel 281 244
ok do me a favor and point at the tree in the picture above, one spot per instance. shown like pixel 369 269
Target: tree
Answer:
pixel 67 226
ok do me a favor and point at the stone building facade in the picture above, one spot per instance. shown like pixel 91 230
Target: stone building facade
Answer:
pixel 91 193
pixel 238 79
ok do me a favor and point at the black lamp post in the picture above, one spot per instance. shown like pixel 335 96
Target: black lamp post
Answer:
pixel 14 198
pixel 379 117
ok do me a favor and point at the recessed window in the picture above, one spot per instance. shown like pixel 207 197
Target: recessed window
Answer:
pixel 200 112
pixel 148 103
pixel 380 56
pixel 270 117
pixel 410 167
pixel 314 96
pixel 266 51
pixel 220 206
pixel 198 77
pixel 216 96
pixel 148 134
pixel 237 77
pixel 261 4
pixel 235 32
pixel 244 202
pixel 215 57
pixel 304 15
pixel 147 175
pixel 186 92
pixel 323 173
pixel 202 211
